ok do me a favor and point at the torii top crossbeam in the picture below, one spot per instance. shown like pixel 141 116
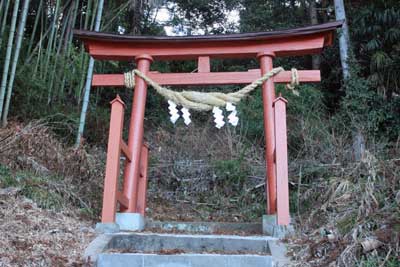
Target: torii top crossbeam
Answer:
pixel 144 49
pixel 292 42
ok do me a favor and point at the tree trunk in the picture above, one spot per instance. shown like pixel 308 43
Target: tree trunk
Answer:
pixel 88 80
pixel 8 55
pixel 20 37
pixel 136 11
pixel 325 5
pixel 316 60
pixel 344 39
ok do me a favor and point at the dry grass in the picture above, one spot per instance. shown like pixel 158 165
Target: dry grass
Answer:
pixel 77 174
pixel 356 220
pixel 193 175
pixel 343 207
pixel 31 236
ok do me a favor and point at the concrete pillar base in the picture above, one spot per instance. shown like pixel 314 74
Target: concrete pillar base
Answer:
pixel 107 228
pixel 271 228
pixel 130 221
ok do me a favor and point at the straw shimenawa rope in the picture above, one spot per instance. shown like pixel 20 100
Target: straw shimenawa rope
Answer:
pixel 205 101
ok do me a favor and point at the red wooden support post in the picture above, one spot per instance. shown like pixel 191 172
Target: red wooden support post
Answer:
pixel 268 93
pixel 113 161
pixel 203 64
pixel 135 139
pixel 142 187
pixel 281 162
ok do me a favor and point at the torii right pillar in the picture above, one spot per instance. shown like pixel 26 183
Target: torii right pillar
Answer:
pixel 275 146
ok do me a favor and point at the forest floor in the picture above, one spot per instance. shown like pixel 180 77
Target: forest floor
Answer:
pixel 50 198
pixel 32 236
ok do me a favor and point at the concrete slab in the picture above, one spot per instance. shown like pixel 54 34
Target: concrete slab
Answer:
pixel 130 221
pixel 205 227
pixel 278 252
pixel 271 228
pixel 183 260
pixel 153 243
pixel 148 250
pixel 105 228
pixel 96 247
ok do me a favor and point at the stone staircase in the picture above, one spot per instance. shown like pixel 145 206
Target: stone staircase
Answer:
pixel 155 248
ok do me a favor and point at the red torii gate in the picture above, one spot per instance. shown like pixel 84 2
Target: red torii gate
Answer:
pixel 264 46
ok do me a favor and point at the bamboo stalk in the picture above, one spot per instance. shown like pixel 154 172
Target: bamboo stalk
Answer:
pixel 1 10
pixel 38 15
pixel 84 57
pixel 3 23
pixel 68 46
pixel 8 55
pixel 88 80
pixel 20 35
pixel 88 14
pixel 39 43
pixel 38 47
pixel 119 11
pixel 60 43
pixel 96 7
pixel 49 48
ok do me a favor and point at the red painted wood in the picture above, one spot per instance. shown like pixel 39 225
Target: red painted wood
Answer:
pixel 126 151
pixel 142 193
pixel 268 93
pixel 203 64
pixel 286 43
pixel 135 136
pixel 282 188
pixel 289 46
pixel 212 78
pixel 113 161
pixel 123 200
pixel 326 28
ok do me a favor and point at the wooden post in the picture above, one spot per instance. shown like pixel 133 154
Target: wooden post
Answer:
pixel 203 64
pixel 268 94
pixel 281 162
pixel 113 161
pixel 142 187
pixel 135 139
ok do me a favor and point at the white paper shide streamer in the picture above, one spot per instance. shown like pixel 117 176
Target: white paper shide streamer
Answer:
pixel 232 117
pixel 219 117
pixel 217 113
pixel 186 116
pixel 173 111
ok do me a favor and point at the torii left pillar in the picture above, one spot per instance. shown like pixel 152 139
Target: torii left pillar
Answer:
pixel 132 217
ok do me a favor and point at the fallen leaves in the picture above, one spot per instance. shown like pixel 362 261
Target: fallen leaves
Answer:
pixel 31 236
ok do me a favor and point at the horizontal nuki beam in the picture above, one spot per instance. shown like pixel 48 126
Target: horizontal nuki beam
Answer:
pixel 206 78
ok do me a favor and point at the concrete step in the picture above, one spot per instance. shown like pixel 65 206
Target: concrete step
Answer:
pixel 184 250
pixel 183 260
pixel 206 227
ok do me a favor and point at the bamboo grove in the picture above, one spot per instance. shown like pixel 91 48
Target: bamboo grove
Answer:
pixel 37 49
pixel 45 72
